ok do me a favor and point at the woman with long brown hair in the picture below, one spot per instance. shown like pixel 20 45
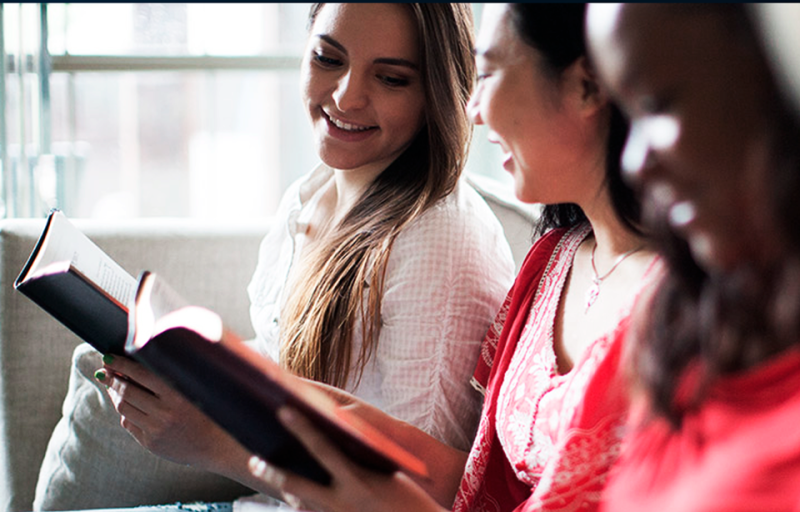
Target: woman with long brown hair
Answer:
pixel 385 268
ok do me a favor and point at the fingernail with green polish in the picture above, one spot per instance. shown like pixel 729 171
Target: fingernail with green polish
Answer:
pixel 100 375
pixel 108 359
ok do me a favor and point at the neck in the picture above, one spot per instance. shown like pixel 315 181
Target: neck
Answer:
pixel 612 236
pixel 350 185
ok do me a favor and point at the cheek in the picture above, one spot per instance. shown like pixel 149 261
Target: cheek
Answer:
pixel 305 87
pixel 419 117
pixel 407 114
pixel 311 85
pixel 714 142
pixel 498 119
pixel 490 106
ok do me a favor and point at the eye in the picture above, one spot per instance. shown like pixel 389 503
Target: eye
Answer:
pixel 655 104
pixel 393 81
pixel 326 61
pixel 482 76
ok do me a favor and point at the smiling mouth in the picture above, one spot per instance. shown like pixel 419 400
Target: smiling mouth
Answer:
pixel 348 127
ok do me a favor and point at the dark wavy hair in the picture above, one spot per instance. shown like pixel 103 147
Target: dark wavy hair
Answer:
pixel 732 321
pixel 556 31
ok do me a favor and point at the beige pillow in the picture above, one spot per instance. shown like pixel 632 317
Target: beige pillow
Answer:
pixel 92 462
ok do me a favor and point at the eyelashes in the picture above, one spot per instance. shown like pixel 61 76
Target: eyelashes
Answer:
pixel 326 61
pixel 390 80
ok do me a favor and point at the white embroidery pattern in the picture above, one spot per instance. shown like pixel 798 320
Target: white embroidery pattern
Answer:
pixel 537 409
pixel 531 410
pixel 475 468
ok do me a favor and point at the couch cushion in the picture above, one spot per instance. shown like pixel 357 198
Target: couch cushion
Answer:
pixel 92 462
pixel 209 262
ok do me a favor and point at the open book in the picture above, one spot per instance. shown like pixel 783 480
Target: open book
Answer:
pixel 71 278
pixel 189 347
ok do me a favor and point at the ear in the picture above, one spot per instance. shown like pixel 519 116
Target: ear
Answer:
pixel 585 86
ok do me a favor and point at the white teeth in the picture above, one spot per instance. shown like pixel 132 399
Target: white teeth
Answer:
pixel 347 126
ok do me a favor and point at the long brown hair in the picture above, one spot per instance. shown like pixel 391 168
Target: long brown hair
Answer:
pixel 342 277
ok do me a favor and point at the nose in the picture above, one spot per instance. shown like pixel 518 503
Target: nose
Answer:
pixel 350 92
pixel 647 137
pixel 473 108
pixel 636 153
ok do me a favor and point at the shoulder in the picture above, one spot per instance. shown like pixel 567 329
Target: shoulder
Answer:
pixel 463 206
pixel 459 226
pixel 479 214
pixel 274 243
pixel 550 243
pixel 301 189
pixel 290 200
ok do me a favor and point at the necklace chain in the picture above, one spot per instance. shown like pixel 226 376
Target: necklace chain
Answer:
pixel 594 290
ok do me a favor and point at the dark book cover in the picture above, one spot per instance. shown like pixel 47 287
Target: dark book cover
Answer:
pixel 75 302
pixel 53 279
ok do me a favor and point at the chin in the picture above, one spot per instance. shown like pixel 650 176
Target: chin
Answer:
pixel 521 190
pixel 522 194
pixel 336 158
pixel 713 256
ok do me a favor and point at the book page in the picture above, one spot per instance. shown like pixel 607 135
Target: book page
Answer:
pixel 64 242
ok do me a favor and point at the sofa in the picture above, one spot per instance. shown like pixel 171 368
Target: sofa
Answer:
pixel 209 263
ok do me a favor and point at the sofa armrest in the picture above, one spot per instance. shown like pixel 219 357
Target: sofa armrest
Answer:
pixel 210 265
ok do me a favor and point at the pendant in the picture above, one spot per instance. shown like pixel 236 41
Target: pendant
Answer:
pixel 591 294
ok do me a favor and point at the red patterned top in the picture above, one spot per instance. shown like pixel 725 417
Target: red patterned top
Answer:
pixel 546 440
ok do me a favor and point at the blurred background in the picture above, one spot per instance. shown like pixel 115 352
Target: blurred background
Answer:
pixel 147 110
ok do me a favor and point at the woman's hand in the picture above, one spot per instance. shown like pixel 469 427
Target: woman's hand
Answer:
pixel 445 464
pixel 163 421
pixel 352 488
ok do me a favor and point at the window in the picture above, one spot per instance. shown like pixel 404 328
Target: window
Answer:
pixel 142 110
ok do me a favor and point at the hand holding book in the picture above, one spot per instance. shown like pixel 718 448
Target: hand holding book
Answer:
pixel 352 487
pixel 242 390
pixel 188 346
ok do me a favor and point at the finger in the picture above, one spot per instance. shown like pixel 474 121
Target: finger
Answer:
pixel 125 409
pixel 107 376
pixel 293 501
pixel 303 492
pixel 131 370
pixel 267 473
pixel 132 392
pixel 133 428
pixel 130 418
pixel 329 456
pixel 136 404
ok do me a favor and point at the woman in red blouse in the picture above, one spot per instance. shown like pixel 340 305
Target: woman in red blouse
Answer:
pixel 717 355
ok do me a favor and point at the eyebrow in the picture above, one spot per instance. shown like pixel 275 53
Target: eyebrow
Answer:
pixel 392 61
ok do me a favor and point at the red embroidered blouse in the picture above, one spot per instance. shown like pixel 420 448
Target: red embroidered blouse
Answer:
pixel 546 441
